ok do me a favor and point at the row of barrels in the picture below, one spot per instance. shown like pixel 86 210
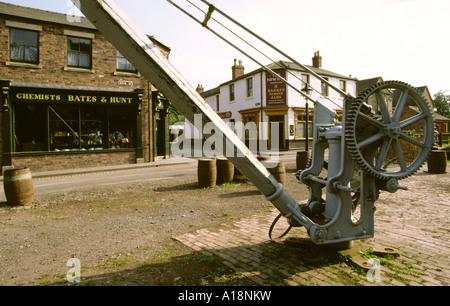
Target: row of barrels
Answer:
pixel 212 172
pixel 218 171
pixel 19 191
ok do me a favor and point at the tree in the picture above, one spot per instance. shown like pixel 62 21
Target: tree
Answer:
pixel 442 103
pixel 175 115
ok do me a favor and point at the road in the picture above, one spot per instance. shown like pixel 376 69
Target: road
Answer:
pixel 66 183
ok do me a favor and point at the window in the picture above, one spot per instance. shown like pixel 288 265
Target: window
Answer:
pixel 305 79
pixel 30 134
pixel 122 127
pixel 301 124
pixel 343 85
pixel 217 103
pixel 324 88
pixel 60 128
pixel 24 46
pixel 79 52
pixel 249 87
pixel 123 64
pixel 231 92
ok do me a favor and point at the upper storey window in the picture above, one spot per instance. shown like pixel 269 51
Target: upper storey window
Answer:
pixel 123 64
pixel 24 46
pixel 79 52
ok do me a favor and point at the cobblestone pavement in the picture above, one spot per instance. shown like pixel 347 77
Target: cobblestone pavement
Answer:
pixel 413 222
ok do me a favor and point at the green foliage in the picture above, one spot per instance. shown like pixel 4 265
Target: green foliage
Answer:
pixel 442 103
pixel 175 116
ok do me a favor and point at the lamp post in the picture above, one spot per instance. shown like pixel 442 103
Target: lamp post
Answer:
pixel 308 92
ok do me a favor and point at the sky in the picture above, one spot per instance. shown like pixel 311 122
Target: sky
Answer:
pixel 404 40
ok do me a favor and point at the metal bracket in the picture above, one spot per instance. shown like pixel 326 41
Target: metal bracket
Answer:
pixel 359 252
pixel 208 15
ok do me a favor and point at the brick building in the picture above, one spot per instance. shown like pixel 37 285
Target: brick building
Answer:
pixel 70 99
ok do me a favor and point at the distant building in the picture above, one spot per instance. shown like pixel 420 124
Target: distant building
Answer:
pixel 258 97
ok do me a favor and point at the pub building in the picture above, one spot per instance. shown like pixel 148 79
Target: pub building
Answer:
pixel 69 99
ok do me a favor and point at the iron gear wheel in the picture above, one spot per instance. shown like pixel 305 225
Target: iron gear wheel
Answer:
pixel 384 128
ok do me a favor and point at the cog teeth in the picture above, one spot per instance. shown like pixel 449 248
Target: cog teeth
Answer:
pixel 352 123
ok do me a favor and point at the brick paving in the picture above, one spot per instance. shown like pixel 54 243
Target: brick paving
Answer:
pixel 414 222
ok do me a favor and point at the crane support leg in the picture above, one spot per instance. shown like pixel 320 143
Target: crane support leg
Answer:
pixel 131 42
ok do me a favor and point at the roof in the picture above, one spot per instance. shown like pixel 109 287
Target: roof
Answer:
pixel 292 66
pixel 41 15
pixel 361 85
pixel 211 92
pixel 58 18
pixel 440 117
pixel 436 116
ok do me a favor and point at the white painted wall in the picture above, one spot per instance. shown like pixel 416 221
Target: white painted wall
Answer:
pixel 294 99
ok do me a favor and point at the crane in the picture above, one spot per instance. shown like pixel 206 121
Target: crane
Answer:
pixel 367 149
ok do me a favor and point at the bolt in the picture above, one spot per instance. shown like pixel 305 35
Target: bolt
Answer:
pixel 337 234
pixel 362 232
pixel 320 234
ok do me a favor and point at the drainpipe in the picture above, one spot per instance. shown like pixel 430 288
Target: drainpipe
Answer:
pixel 262 109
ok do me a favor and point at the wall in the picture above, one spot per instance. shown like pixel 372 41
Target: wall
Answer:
pixel 50 162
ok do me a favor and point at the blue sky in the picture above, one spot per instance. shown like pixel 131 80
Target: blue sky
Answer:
pixel 406 40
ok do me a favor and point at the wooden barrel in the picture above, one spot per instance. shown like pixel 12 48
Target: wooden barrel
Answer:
pixel 207 173
pixel 302 159
pixel 225 171
pixel 437 162
pixel 18 186
pixel 279 172
pixel 238 176
pixel 263 159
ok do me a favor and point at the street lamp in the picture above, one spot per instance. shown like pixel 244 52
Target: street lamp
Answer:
pixel 308 92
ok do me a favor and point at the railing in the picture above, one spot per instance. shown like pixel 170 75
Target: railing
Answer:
pixel 442 139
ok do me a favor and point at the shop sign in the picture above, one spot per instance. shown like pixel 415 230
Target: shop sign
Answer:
pixel 38 96
pixel 276 94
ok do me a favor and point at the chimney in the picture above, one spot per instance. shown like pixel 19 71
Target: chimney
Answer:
pixel 317 60
pixel 238 70
pixel 200 88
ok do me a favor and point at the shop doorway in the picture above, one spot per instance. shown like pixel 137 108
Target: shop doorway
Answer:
pixel 277 122
pixel 160 126
pixel 250 120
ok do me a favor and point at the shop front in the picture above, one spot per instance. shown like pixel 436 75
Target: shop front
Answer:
pixel 57 127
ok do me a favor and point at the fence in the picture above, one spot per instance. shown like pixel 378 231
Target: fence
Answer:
pixel 442 139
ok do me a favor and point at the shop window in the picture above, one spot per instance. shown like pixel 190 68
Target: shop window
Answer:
pixel 339 116
pixel 79 52
pixel 301 126
pixel 123 64
pixel 122 130
pixel 93 128
pixel 31 136
pixel 61 128
pixel 24 46
pixel 64 128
